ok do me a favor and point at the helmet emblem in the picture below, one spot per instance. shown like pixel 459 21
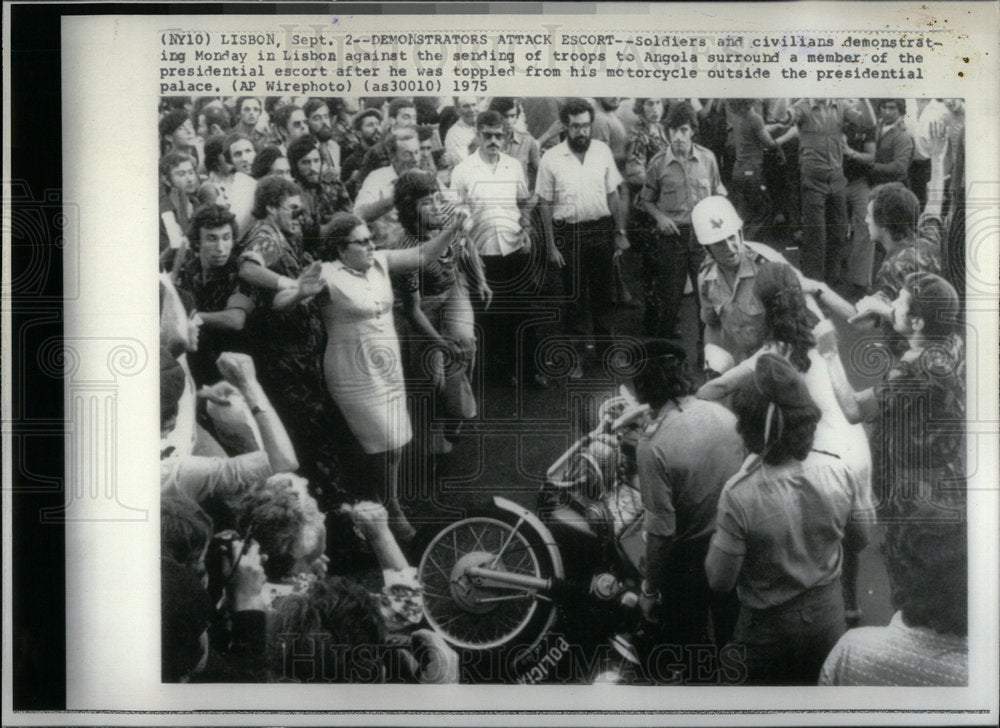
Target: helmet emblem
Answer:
pixel 716 223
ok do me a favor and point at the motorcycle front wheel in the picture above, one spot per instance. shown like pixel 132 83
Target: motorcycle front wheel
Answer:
pixel 477 616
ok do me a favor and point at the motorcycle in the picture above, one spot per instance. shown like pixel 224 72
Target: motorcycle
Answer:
pixel 550 595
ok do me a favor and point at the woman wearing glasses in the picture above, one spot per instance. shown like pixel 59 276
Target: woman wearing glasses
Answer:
pixel 362 364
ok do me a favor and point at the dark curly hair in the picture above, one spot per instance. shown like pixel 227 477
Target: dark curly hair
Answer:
pixel 278 519
pixel 333 632
pixel 411 187
pixel 214 160
pixel 266 157
pixel 341 225
pixel 895 208
pixel 793 429
pixel 575 107
pixel 927 559
pixel 209 217
pixel 786 317
pixel 663 374
pixel 679 114
pixel 271 191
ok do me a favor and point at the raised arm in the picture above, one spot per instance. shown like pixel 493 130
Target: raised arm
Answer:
pixel 238 370
pixel 404 260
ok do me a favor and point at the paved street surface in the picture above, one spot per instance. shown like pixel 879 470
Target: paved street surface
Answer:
pixel 522 430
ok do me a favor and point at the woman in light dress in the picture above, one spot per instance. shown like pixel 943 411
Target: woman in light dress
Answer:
pixel 362 363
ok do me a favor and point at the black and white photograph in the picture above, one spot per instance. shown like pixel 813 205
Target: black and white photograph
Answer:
pixel 563 390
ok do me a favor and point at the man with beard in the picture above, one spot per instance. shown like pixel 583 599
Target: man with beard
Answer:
pixel 462 132
pixel 492 185
pixel 239 151
pixel 677 178
pixel 367 128
pixel 609 129
pixel 376 197
pixel 584 222
pixel 321 197
pixel 731 313
pixel 321 126
pixel 344 110
pixel 248 110
pixel 222 301
pixel 177 202
pixel 402 114
pixel 288 123
pixel 287 344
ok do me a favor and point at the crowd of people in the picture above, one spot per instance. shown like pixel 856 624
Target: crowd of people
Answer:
pixel 334 272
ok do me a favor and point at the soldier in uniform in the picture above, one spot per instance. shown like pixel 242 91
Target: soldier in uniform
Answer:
pixel 684 458
pixel 730 311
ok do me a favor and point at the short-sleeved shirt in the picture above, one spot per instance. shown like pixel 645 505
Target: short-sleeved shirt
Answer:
pixel 820 128
pixel 735 309
pixel 378 186
pixel 788 522
pixel 675 185
pixel 578 190
pixel 685 457
pixel 491 193
pixel 458 139
pixel 898 655
pixel 522 147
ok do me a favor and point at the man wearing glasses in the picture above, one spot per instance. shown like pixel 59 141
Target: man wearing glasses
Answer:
pixel 492 185
pixel 584 224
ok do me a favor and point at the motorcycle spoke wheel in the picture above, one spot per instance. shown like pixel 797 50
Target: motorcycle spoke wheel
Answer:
pixel 480 617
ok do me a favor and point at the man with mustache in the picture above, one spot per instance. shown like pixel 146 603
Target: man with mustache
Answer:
pixel 584 222
pixel 492 185
pixel 320 122
pixel 322 196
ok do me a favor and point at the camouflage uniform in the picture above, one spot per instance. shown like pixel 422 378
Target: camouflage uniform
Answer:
pixel 211 295
pixel 918 446
pixel 287 348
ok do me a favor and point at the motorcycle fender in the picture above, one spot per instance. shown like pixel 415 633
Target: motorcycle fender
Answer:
pixel 540 528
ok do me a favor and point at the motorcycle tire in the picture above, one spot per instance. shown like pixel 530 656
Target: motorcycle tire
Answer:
pixel 496 631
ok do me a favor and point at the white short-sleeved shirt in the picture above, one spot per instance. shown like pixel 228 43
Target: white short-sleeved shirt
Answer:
pixel 458 139
pixel 491 194
pixel 579 191
pixel 378 186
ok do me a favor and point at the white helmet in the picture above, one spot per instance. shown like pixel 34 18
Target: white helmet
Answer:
pixel 714 219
